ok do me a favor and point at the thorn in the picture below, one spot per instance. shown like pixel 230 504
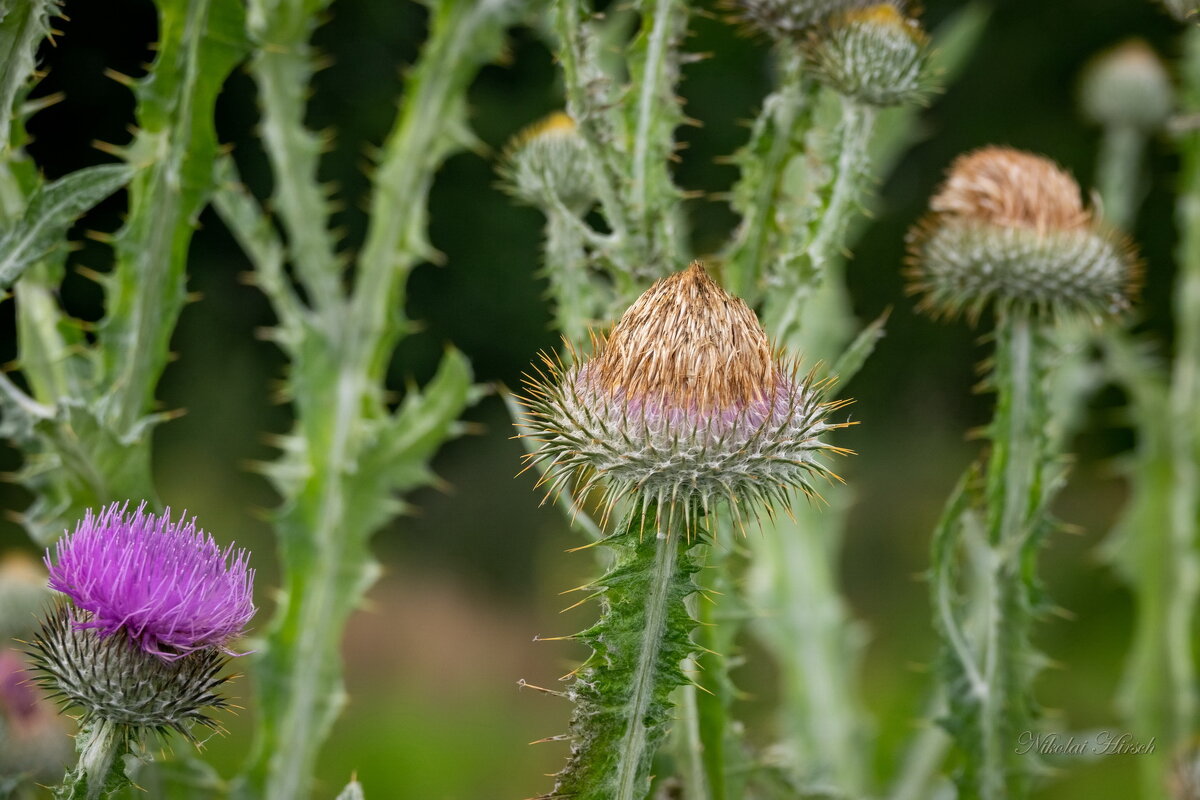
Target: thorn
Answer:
pixel 119 77
pixel 524 684
pixel 108 149
pixel 89 273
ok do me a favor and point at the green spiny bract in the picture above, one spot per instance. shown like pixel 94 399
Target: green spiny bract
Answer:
pixel 547 164
pixel 110 678
pixel 1009 227
pixel 873 55
pixel 1127 86
pixel 621 694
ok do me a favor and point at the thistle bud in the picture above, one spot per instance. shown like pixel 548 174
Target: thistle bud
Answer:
pixel 547 163
pixel 784 20
pixel 685 404
pixel 874 55
pixel 153 607
pixel 1127 86
pixel 1011 227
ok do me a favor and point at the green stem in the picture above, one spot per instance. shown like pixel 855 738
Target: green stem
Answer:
pixel 100 771
pixel 622 692
pixel 1015 489
pixel 567 270
pixel 1118 172
pixel 761 192
pixel 1184 425
pixel 803 619
pixel 351 454
pixel 282 68
pixel 808 269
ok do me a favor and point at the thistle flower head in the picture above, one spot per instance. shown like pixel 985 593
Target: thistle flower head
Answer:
pixel 1011 227
pixel 547 163
pixel 684 405
pixel 1127 86
pixel 875 55
pixel 788 20
pixel 164 585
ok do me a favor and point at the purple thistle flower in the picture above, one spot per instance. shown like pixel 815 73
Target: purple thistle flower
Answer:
pixel 167 584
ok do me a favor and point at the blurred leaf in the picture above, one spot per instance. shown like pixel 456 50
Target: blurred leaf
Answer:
pixel 51 211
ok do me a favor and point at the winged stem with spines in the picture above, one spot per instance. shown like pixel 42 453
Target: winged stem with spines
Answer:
pixel 349 453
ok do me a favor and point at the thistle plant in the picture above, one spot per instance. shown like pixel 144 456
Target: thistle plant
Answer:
pixel 140 644
pixel 804 174
pixel 683 409
pixel 1007 230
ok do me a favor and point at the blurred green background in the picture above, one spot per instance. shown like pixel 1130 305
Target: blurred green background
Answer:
pixel 433 662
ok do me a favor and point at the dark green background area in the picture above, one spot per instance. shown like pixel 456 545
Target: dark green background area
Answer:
pixel 433 663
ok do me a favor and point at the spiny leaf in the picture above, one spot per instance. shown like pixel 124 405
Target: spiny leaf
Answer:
pixel 50 212
pixel 23 25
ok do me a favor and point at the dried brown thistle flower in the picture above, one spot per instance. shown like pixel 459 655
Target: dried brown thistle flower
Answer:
pixel 1011 227
pixel 1011 188
pixel 684 405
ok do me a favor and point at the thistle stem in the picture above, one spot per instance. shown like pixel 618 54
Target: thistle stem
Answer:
pixel 803 277
pixel 622 692
pixel 1015 495
pixel 100 771
pixel 1118 171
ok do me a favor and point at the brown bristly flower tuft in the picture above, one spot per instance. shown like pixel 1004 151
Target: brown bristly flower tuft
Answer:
pixel 1010 188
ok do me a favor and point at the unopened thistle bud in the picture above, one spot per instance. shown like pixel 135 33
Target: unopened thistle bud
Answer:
pixel 547 163
pixel 684 405
pixel 784 20
pixel 875 55
pixel 153 607
pixel 1127 86
pixel 1010 227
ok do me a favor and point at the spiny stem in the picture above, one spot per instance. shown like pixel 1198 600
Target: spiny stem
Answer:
pixel 1016 472
pixel 760 194
pixel 100 772
pixel 566 268
pixel 802 616
pixel 1185 421
pixel 809 271
pixel 622 692
pixel 634 749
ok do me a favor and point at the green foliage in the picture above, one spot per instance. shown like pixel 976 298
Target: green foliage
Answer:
pixel 23 26
pixel 49 212
pixel 85 427
pixel 622 693
pixel 350 454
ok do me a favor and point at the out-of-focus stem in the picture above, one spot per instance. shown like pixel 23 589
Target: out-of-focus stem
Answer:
pixel 1117 173
pixel 1185 418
